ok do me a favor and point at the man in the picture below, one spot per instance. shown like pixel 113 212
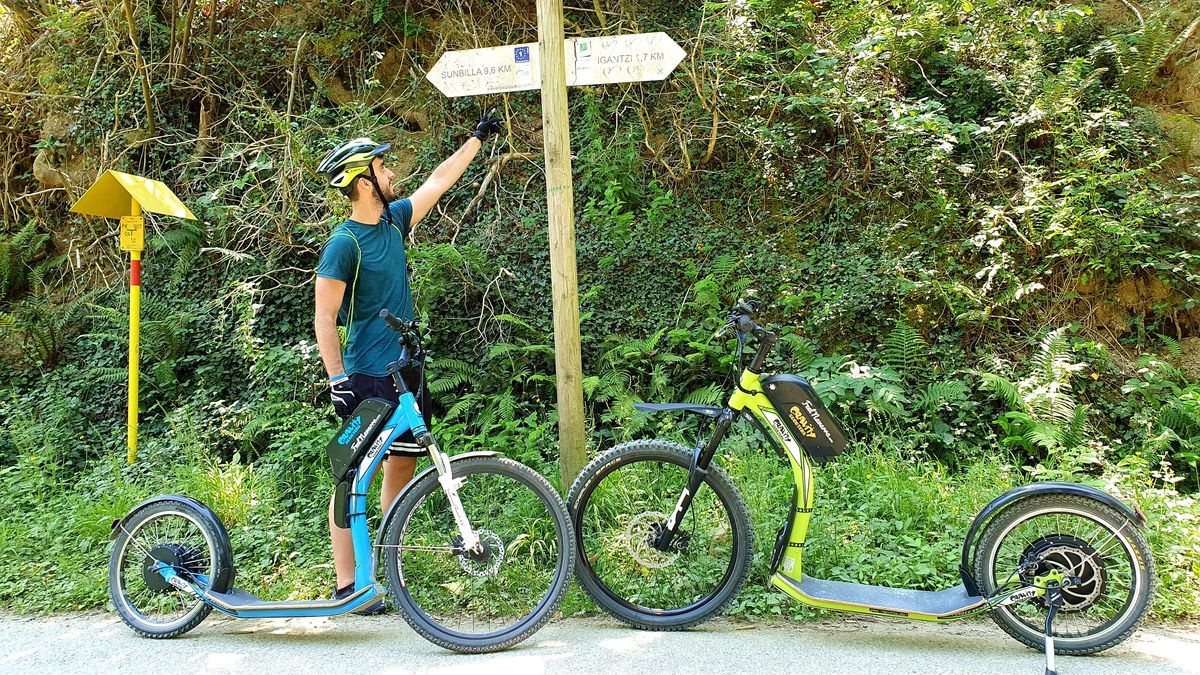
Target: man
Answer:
pixel 365 255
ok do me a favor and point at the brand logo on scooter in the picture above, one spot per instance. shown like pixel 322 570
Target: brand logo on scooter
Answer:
pixel 816 418
pixel 1023 594
pixel 889 612
pixel 351 429
pixel 378 444
pixel 781 430
pixel 778 427
pixel 801 422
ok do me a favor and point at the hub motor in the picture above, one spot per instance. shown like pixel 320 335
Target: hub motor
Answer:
pixel 185 560
pixel 1072 558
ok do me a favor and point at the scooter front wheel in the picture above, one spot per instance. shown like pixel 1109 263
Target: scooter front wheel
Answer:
pixel 489 597
pixel 168 533
pixel 621 503
pixel 1099 553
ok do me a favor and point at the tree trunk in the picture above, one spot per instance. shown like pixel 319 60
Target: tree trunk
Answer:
pixel 22 17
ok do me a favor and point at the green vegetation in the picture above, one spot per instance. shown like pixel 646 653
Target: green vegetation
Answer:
pixel 975 224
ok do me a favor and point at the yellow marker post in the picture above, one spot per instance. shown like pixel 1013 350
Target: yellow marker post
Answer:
pixel 124 196
pixel 133 239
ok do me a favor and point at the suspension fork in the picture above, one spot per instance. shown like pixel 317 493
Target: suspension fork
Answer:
pixel 701 458
pixel 450 485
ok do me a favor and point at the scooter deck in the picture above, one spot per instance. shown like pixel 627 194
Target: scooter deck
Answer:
pixel 881 600
pixel 241 603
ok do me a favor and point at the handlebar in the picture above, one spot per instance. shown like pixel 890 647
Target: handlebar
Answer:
pixel 411 353
pixel 410 333
pixel 741 318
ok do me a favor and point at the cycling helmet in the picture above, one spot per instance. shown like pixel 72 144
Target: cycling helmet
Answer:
pixel 349 159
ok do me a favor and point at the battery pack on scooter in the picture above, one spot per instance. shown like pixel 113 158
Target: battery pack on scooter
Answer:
pixel 355 436
pixel 805 416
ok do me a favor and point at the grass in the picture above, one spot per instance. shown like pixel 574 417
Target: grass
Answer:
pixel 881 518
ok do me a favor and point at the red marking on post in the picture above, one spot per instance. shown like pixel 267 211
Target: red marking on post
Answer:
pixel 135 273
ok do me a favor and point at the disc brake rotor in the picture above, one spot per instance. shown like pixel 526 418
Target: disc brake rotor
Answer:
pixel 639 537
pixel 182 558
pixel 486 562
pixel 1076 560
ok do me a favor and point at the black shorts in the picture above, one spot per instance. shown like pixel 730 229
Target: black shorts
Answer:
pixel 369 386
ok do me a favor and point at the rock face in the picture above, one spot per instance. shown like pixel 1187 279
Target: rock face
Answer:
pixel 1135 299
pixel 1190 363
pixel 45 172
pixel 59 164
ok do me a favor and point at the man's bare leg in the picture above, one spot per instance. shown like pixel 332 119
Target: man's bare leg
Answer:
pixel 343 551
pixel 397 471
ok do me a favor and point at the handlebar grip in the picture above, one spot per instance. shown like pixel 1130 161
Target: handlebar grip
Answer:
pixel 392 321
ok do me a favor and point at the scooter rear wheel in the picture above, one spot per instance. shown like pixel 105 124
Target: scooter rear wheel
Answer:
pixel 1054 535
pixel 177 534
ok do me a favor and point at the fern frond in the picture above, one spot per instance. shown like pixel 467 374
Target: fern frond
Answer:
pixel 707 395
pixel 108 375
pixel 905 349
pixel 589 386
pixel 1005 390
pixel 1050 352
pixel 463 406
pixel 516 321
pixel 1141 54
pixel 1172 345
pixel 506 407
pixel 801 350
pixel 540 377
pixel 1182 415
pixel 937 393
pixel 1043 434
pixel 723 267
pixel 502 349
pixel 1074 432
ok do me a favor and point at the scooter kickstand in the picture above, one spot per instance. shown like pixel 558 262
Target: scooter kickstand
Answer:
pixel 1054 598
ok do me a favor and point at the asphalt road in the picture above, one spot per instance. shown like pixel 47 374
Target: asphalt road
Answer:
pixel 100 643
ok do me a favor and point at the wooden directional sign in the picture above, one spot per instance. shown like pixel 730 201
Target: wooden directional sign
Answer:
pixel 595 60
pixel 621 58
pixel 583 61
pixel 487 71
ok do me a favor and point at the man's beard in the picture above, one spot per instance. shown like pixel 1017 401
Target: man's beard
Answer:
pixel 387 193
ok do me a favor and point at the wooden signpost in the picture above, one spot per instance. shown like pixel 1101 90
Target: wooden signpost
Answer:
pixel 551 65
pixel 125 196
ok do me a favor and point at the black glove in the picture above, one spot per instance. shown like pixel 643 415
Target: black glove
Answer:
pixel 488 125
pixel 342 396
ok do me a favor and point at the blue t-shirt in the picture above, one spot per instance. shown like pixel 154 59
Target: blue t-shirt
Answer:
pixel 377 253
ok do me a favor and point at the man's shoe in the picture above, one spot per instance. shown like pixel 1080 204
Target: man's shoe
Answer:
pixel 371 609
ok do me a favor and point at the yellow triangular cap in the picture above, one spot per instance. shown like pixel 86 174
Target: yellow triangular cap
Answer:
pixel 113 195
